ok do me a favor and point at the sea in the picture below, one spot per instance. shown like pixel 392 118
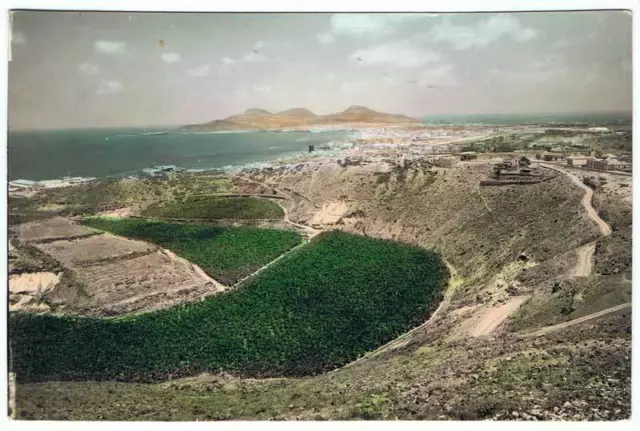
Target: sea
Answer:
pixel 512 119
pixel 46 155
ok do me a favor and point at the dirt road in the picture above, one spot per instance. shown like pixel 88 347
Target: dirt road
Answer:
pixel 584 266
pixel 588 317
pixel 605 229
pixel 311 232
pixel 493 317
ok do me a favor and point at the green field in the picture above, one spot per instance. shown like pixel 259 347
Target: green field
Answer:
pixel 320 307
pixel 225 253
pixel 207 207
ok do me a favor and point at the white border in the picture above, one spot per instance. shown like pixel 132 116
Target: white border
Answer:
pixel 303 6
pixel 326 5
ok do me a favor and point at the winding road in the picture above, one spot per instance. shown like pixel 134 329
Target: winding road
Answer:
pixel 311 232
pixel 604 228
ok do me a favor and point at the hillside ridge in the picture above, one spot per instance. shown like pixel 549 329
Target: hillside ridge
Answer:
pixel 262 119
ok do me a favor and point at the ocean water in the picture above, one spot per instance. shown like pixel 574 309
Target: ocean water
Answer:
pixel 534 118
pixel 43 155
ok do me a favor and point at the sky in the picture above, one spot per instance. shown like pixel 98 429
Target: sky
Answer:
pixel 111 69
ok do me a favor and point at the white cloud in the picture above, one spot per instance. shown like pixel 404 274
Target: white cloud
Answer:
pixel 110 47
pixel 171 57
pixel 258 45
pixel 483 33
pixel 326 38
pixel 18 38
pixel 562 42
pixel 109 87
pixel 396 54
pixel 227 61
pixel 200 71
pixel 88 69
pixel 259 89
pixel 254 57
pixel 355 24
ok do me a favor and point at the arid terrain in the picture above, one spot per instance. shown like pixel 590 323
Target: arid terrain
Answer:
pixel 534 324
pixel 301 118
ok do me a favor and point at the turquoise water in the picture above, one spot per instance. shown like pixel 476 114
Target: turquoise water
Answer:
pixel 46 155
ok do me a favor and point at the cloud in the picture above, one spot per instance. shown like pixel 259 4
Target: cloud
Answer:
pixel 171 57
pixel 227 61
pixel 259 89
pixel 400 54
pixel 18 38
pixel 438 75
pixel 109 87
pixel 258 45
pixel 355 24
pixel 110 47
pixel 483 33
pixel 326 38
pixel 254 57
pixel 200 71
pixel 550 69
pixel 88 69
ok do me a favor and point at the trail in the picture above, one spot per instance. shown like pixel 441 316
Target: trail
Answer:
pixel 588 317
pixel 311 232
pixel 402 340
pixel 584 266
pixel 268 264
pixel 605 229
pixel 493 317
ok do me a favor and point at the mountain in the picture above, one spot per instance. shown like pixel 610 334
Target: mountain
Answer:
pixel 298 113
pixel 261 119
pixel 362 114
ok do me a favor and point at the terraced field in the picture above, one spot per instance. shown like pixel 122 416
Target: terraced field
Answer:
pixel 316 309
pixel 227 254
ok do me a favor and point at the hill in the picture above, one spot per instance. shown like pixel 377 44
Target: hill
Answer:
pixel 261 119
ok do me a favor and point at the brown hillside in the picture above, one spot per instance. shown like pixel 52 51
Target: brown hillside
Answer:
pixel 260 119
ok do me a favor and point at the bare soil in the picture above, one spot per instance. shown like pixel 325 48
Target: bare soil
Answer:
pixel 56 227
pixel 495 316
pixel 94 248
pixel 143 283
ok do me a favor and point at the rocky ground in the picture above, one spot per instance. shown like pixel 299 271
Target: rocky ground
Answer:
pixel 505 243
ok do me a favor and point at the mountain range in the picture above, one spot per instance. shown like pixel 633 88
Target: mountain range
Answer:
pixel 261 119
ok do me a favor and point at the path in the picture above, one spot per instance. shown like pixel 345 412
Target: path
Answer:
pixel 592 316
pixel 493 317
pixel 605 229
pixel 584 265
pixel 311 232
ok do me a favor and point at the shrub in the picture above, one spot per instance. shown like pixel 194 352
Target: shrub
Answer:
pixel 318 308
pixel 216 208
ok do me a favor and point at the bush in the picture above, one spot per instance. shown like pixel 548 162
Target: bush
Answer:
pixel 318 308
pixel 217 208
